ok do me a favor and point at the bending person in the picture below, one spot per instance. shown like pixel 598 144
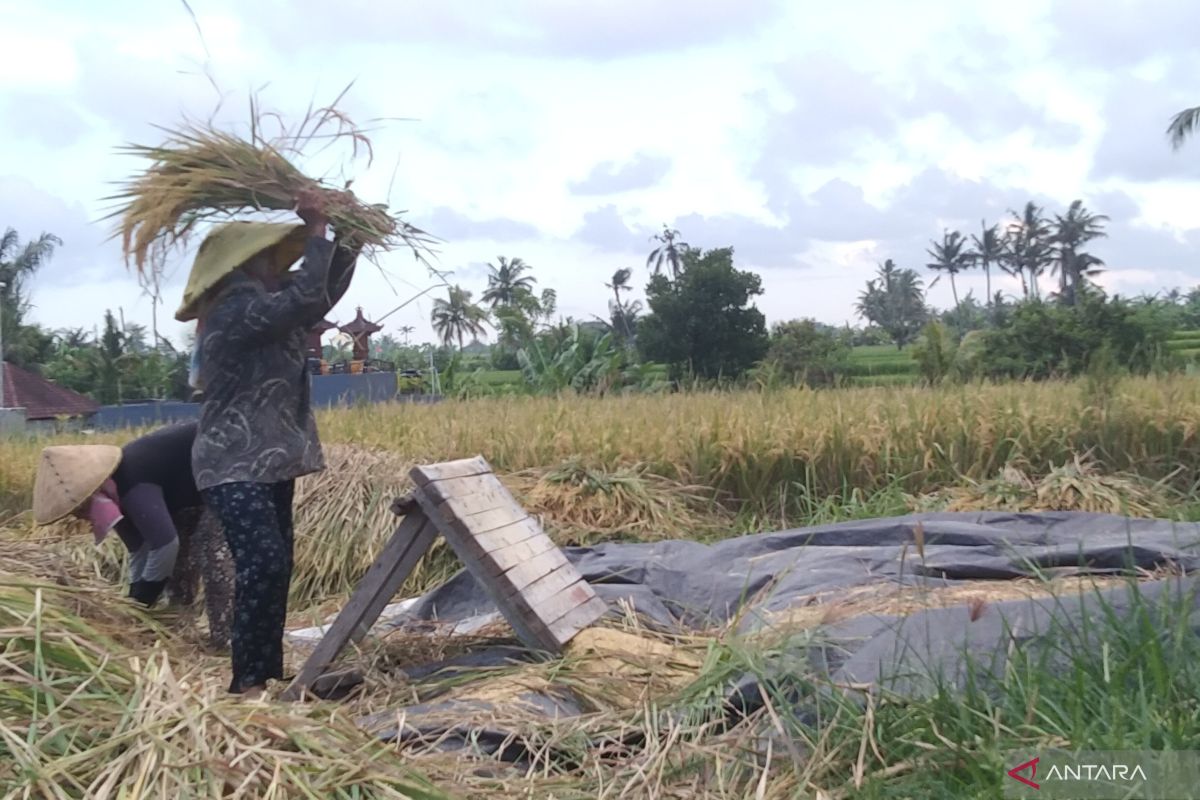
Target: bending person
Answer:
pixel 146 493
pixel 257 432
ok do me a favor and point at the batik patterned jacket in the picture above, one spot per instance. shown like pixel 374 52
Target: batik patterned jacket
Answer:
pixel 256 421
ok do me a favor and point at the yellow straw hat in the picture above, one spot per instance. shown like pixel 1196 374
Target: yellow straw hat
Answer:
pixel 68 475
pixel 233 244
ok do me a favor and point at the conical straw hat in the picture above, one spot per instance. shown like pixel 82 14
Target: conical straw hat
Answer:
pixel 68 475
pixel 233 244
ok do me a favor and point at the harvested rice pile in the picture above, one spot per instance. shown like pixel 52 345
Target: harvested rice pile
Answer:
pixel 199 174
pixel 1078 485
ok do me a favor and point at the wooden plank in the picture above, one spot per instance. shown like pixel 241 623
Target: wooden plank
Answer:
pixel 526 573
pixel 522 530
pixel 425 474
pixel 375 590
pixel 441 491
pixel 549 585
pixel 487 521
pixel 564 629
pixel 532 637
pixel 476 504
pixel 501 561
pixel 555 608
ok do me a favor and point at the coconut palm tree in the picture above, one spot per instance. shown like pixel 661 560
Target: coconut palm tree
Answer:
pixel 988 250
pixel 456 316
pixel 1028 247
pixel 949 257
pixel 670 251
pixel 895 302
pixel 18 263
pixel 620 283
pixel 1183 125
pixel 508 282
pixel 1070 233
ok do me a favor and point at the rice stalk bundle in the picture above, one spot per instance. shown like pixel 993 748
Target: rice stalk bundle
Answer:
pixel 200 174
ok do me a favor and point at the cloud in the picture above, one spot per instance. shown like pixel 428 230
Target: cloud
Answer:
pixel 609 177
pixel 1123 33
pixel 84 253
pixel 49 120
pixel 605 229
pixel 840 111
pixel 1135 145
pixel 558 28
pixel 449 225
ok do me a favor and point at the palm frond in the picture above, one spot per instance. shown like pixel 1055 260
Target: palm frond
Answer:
pixel 1182 126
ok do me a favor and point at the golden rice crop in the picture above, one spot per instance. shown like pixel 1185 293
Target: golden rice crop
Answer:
pixel 199 174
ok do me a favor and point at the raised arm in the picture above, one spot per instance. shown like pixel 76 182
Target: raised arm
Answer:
pixel 322 280
pixel 251 314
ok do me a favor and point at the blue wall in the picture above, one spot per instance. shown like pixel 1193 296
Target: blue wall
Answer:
pixel 327 391
pixel 348 390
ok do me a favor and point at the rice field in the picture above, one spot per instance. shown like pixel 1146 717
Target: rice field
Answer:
pixel 101 699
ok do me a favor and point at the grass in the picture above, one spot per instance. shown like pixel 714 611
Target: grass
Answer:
pixel 97 694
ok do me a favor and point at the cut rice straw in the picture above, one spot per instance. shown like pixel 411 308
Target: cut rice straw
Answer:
pixel 201 174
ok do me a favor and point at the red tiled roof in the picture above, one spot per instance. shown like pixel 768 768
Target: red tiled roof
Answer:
pixel 42 399
pixel 359 325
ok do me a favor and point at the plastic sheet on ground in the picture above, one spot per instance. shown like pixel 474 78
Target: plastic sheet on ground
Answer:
pixel 971 570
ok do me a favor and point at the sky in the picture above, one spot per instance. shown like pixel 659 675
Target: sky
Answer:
pixel 817 140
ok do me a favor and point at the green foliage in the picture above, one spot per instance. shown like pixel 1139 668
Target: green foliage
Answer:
pixel 807 352
pixel 1042 340
pixel 970 356
pixel 508 283
pixel 965 317
pixel 950 257
pixel 935 353
pixel 119 367
pixel 457 317
pixel 894 301
pixel 1028 248
pixel 585 362
pixel 703 324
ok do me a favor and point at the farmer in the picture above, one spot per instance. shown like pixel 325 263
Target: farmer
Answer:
pixel 257 433
pixel 146 493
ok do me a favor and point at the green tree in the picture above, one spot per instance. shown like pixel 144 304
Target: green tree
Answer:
pixel 1041 340
pixel 703 323
pixel 457 317
pixel 950 257
pixel 968 316
pixel 987 249
pixel 508 282
pixel 623 315
pixel 935 353
pixel 1028 248
pixel 807 352
pixel 671 252
pixel 1071 232
pixel 18 263
pixel 895 302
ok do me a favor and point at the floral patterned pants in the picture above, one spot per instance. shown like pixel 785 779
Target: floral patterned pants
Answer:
pixel 257 519
pixel 204 556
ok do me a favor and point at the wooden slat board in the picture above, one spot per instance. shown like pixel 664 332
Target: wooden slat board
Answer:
pixel 536 588
pixel 539 592
pixel 385 576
